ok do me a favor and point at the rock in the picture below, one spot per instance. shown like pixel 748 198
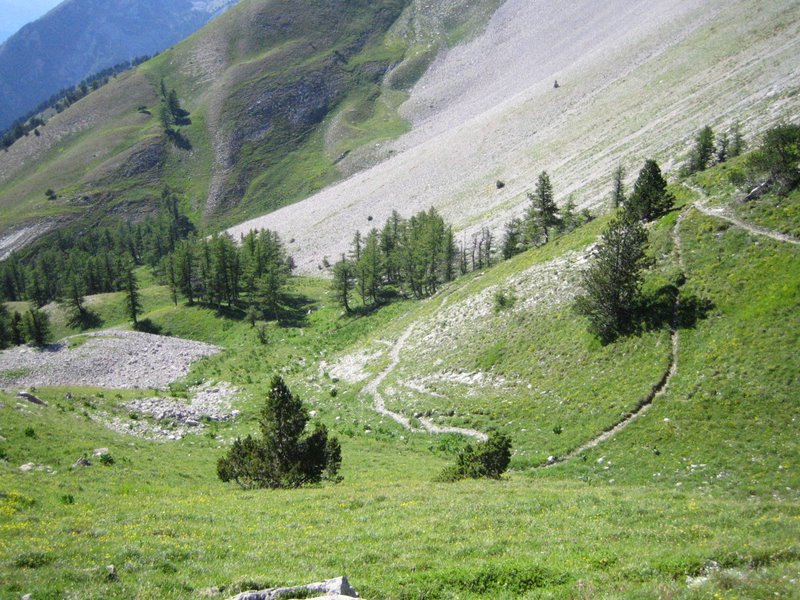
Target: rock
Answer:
pixel 100 451
pixel 551 460
pixel 27 597
pixel 111 573
pixel 31 398
pixel 81 462
pixel 338 588
pixel 27 467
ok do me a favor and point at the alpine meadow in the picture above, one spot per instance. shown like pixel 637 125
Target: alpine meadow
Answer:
pixel 404 299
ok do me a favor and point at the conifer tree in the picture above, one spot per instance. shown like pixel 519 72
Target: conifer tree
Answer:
pixel 544 212
pixel 618 188
pixel 650 198
pixel 133 302
pixel 343 282
pixel 283 457
pixel 36 327
pixel 611 284
pixel 703 150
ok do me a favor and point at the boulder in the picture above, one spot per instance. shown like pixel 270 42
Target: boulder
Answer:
pixel 332 589
pixel 81 462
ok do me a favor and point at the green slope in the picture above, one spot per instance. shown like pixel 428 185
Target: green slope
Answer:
pixel 704 485
pixel 278 92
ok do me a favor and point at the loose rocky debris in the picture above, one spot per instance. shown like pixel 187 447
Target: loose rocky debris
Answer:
pixel 112 358
pixel 28 467
pixel 333 589
pixel 173 418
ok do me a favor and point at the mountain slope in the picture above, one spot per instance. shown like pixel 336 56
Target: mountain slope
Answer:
pixel 637 80
pixel 80 37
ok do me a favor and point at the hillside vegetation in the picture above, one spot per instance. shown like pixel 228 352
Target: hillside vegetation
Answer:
pixel 709 471
pixel 277 94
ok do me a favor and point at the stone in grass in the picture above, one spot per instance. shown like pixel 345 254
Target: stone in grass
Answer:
pixel 100 451
pixel 330 590
pixel 82 462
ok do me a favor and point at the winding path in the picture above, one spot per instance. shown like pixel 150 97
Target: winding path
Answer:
pixel 720 212
pixel 379 403
pixel 660 388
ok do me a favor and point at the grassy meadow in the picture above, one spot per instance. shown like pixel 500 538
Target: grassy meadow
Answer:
pixel 696 499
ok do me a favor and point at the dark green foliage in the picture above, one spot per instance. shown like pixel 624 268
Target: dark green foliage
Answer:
pixel 93 260
pixel 133 303
pixel 543 211
pixel 618 188
pixel 778 157
pixel 343 282
pixel 650 198
pixel 611 285
pixel 703 151
pixel 486 459
pixel 36 327
pixel 284 457
pixel 738 144
pixel 106 459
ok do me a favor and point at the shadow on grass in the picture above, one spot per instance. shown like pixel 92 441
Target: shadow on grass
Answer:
pixel 294 310
pixel 147 326
pixel 85 319
pixel 657 310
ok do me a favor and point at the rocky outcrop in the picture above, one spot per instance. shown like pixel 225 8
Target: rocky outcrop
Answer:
pixel 332 589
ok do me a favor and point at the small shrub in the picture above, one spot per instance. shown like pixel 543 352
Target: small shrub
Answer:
pixel 500 184
pixel 106 459
pixel 503 300
pixel 29 432
pixel 31 560
pixel 3 454
pixel 488 459
pixel 558 430
pixel 67 499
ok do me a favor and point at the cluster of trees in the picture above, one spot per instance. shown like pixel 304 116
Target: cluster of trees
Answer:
pixel 62 100
pixel 95 260
pixel 285 456
pixel 31 327
pixel 611 298
pixel 216 271
pixel 709 149
pixel 542 220
pixel 416 255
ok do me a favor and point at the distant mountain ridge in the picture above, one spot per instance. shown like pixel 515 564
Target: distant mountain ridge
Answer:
pixel 81 37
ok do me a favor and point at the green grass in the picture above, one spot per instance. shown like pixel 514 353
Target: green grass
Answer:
pixel 710 473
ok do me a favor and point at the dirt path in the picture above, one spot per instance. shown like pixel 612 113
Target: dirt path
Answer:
pixel 720 212
pixel 660 388
pixel 379 404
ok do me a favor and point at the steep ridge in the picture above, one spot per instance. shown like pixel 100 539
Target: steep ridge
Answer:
pixel 80 37
pixel 635 81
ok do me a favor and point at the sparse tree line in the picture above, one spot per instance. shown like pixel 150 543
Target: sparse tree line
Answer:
pixel 612 299
pixel 63 99
pixel 415 255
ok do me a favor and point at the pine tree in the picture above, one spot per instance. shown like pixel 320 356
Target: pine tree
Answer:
pixel 283 457
pixel 618 188
pixel 738 144
pixel 133 303
pixel 703 150
pixel 74 303
pixel 343 282
pixel 611 285
pixel 544 211
pixel 650 198
pixel 36 327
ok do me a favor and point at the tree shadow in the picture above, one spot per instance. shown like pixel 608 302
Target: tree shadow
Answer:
pixel 85 319
pixel 294 310
pixel 147 326
pixel 180 140
pixel 657 310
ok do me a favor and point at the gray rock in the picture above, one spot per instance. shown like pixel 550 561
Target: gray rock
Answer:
pixel 100 451
pixel 81 462
pixel 27 467
pixel 31 398
pixel 338 588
